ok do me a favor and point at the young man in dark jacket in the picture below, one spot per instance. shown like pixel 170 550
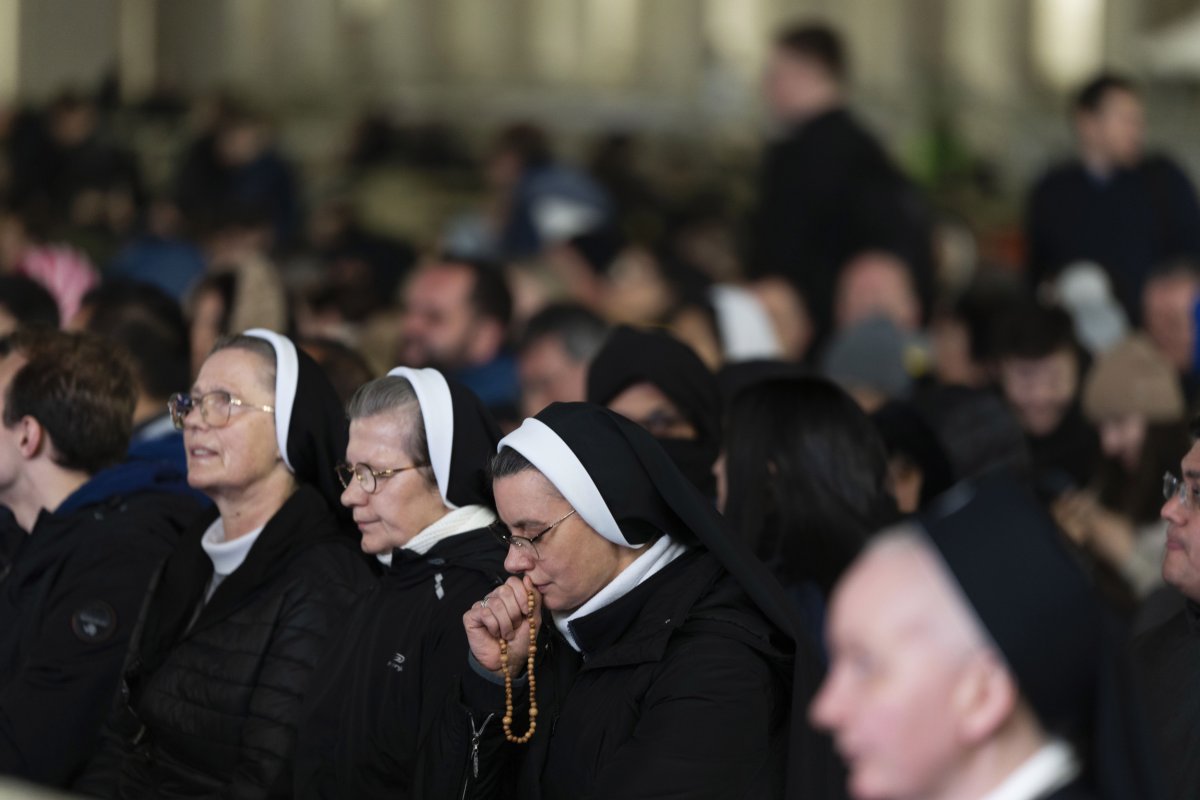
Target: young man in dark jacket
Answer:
pixel 83 534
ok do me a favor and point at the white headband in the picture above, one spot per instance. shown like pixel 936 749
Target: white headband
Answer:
pixel 287 375
pixel 538 442
pixel 437 412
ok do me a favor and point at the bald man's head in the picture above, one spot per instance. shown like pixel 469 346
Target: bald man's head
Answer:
pixel 915 688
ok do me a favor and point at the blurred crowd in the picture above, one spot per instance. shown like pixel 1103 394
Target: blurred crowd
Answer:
pixel 827 361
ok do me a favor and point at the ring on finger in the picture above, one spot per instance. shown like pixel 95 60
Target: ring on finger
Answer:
pixel 483 603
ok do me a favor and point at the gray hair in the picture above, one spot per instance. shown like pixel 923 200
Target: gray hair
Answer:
pixel 251 344
pixel 392 394
pixel 506 463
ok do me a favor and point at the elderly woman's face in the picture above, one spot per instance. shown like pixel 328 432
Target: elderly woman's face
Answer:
pixel 404 503
pixel 572 562
pixel 232 458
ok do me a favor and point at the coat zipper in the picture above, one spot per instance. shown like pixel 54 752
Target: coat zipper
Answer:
pixel 476 734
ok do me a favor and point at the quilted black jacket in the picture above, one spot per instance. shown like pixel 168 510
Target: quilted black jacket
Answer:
pixel 211 700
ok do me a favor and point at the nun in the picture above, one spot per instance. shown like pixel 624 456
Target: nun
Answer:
pixel 642 652
pixel 240 613
pixel 971 660
pixel 661 384
pixel 415 480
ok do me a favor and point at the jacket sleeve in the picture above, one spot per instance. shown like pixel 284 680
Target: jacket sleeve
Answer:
pixel 308 616
pixel 52 710
pixel 465 755
pixel 712 723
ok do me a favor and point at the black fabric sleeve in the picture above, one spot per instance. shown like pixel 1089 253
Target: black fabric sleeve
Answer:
pixel 51 712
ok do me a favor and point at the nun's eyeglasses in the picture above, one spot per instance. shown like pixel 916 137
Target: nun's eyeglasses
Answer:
pixel 215 408
pixel 1189 498
pixel 508 539
pixel 367 476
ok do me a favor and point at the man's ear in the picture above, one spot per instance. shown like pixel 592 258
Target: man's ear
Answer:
pixel 986 698
pixel 32 437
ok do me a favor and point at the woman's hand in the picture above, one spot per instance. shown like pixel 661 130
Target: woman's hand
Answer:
pixel 503 615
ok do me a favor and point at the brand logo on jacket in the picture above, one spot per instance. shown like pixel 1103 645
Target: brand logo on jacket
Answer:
pixel 397 662
pixel 94 622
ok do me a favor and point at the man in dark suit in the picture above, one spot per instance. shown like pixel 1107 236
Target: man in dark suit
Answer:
pixel 1112 204
pixel 827 190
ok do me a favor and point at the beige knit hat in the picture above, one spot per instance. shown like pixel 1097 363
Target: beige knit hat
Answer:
pixel 1133 378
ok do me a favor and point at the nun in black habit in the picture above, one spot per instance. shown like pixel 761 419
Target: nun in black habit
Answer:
pixel 236 619
pixel 1015 610
pixel 665 662
pixel 419 445
pixel 658 382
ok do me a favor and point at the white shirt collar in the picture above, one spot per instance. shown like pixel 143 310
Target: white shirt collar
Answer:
pixel 460 520
pixel 652 560
pixel 1050 768
pixel 227 556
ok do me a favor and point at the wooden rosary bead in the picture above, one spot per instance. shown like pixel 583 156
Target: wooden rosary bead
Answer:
pixel 507 720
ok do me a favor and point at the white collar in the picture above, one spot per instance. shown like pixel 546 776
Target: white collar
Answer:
pixel 227 556
pixel 460 520
pixel 649 562
pixel 1050 768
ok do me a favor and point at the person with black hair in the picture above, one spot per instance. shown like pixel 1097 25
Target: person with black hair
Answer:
pixel 658 382
pixel 148 325
pixel 827 189
pixel 918 468
pixel 804 480
pixel 642 652
pixel 24 302
pixel 456 318
pixel 1041 367
pixel 81 534
pixel 540 200
pixel 558 344
pixel 1113 204
pixel 239 615
pixel 1168 655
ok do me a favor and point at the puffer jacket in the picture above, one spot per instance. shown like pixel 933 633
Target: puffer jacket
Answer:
pixel 213 691
pixel 682 689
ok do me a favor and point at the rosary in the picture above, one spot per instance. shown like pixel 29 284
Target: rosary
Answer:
pixel 508 690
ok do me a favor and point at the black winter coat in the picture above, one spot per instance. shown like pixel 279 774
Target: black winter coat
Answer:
pixel 69 601
pixel 680 692
pixel 383 684
pixel 826 192
pixel 209 707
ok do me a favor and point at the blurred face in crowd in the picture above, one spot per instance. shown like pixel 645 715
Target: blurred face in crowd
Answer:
pixel 797 87
pixel 1122 437
pixel 645 404
pixel 208 315
pixel 1040 390
pixel 877 284
pixel 403 504
pixel 571 562
pixel 440 326
pixel 8 323
pixel 549 374
pixel 911 688
pixel 1181 563
pixel 1113 133
pixel 1168 305
pixel 243 454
